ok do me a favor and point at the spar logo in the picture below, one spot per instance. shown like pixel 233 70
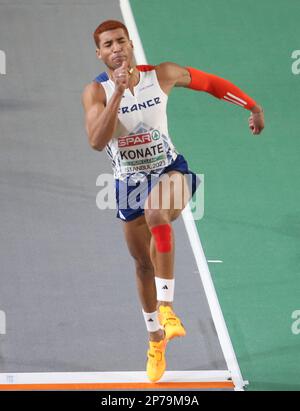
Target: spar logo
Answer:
pixel 138 139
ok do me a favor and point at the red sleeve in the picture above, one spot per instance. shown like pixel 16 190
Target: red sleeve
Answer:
pixel 219 88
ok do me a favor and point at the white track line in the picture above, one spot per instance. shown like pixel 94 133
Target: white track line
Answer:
pixel 215 261
pixel 110 377
pixel 193 235
pixel 133 31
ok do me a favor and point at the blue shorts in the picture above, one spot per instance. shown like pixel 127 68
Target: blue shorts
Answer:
pixel 131 196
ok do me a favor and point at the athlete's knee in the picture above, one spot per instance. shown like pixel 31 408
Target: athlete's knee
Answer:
pixel 175 214
pixel 156 217
pixel 159 224
pixel 162 235
pixel 142 261
pixel 143 266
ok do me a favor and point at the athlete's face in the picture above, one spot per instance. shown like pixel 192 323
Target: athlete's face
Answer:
pixel 114 48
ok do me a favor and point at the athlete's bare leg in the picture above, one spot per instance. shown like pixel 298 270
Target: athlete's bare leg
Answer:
pixel 164 262
pixel 138 239
pixel 148 262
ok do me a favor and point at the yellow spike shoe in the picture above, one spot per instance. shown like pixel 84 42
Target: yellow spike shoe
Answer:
pixel 170 322
pixel 156 363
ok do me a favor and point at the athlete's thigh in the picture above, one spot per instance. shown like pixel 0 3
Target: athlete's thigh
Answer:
pixel 170 195
pixel 180 195
pixel 138 239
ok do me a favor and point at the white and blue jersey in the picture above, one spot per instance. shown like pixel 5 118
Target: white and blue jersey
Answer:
pixel 141 143
pixel 141 148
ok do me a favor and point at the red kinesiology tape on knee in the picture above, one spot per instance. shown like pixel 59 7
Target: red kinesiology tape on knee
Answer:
pixel 163 237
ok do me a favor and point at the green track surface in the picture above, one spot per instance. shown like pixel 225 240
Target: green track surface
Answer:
pixel 252 214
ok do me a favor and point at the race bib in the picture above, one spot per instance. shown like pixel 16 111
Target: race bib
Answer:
pixel 142 152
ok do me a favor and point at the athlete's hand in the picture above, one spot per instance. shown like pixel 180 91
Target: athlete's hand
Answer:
pixel 257 121
pixel 121 77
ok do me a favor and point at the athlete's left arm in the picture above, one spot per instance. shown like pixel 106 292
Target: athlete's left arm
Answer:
pixel 172 75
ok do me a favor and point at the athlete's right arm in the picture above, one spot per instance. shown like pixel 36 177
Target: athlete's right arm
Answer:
pixel 100 119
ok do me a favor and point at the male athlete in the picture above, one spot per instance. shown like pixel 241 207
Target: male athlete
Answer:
pixel 125 114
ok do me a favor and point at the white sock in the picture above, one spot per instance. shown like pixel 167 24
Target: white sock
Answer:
pixel 152 322
pixel 165 289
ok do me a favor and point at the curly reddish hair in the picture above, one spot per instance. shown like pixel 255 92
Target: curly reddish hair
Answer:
pixel 106 26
